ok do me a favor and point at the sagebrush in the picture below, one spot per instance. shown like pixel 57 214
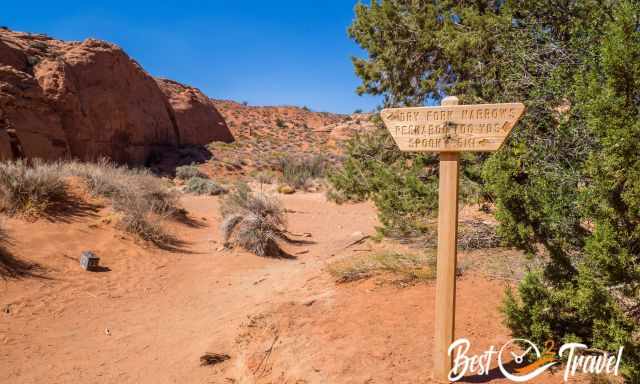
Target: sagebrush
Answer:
pixel 30 187
pixel 36 187
pixel 254 221
pixel 143 199
pixel 201 186
pixel 300 171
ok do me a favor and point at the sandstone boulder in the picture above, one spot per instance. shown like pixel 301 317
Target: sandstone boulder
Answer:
pixel 89 99
pixel 195 115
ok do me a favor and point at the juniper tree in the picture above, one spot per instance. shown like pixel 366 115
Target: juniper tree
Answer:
pixel 599 303
pixel 565 184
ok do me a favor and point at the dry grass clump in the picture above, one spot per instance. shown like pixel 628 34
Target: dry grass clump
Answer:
pixel 410 268
pixel 187 172
pixel 265 177
pixel 34 187
pixel 605 379
pixel 299 172
pixel 253 221
pixel 201 186
pixel 143 199
pixel 30 188
pixel 142 218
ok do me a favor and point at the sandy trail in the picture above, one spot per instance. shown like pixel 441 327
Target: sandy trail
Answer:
pixel 162 309
pixel 151 316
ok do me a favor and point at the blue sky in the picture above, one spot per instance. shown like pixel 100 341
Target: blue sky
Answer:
pixel 263 52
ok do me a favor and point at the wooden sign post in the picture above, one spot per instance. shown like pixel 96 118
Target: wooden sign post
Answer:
pixel 449 130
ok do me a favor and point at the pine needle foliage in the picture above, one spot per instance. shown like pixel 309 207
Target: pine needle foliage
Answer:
pixel 565 184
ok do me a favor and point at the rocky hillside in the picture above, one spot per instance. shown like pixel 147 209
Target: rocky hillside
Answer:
pixel 89 99
pixel 264 135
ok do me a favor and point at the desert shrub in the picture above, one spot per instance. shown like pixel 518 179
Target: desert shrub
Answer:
pixel 201 186
pixel 121 183
pixel 141 219
pixel 335 195
pixel 286 189
pixel 253 221
pixel 143 199
pixel 30 187
pixel 187 172
pixel 281 123
pixel 298 172
pixel 265 177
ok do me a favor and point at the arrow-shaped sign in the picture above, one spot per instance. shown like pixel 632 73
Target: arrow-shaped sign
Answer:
pixel 453 128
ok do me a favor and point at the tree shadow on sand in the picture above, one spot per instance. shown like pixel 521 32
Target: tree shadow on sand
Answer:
pixel 183 217
pixel 493 374
pixel 12 267
pixel 172 244
pixel 69 210
pixel 283 254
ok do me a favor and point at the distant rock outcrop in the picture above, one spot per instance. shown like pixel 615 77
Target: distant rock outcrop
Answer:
pixel 197 118
pixel 89 99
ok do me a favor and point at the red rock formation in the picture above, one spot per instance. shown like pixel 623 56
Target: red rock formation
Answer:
pixel 89 99
pixel 195 115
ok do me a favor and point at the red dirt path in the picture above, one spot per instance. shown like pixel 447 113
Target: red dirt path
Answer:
pixel 154 313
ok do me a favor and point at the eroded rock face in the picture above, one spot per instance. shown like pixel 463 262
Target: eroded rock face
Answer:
pixel 196 117
pixel 25 113
pixel 89 99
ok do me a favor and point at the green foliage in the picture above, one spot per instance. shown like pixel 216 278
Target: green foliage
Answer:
pixel 590 291
pixel 566 183
pixel 404 186
pixel 420 50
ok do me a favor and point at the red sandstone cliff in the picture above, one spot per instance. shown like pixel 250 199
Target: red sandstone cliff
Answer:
pixel 89 99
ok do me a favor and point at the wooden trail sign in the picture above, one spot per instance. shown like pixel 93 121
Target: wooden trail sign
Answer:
pixel 449 129
pixel 452 127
